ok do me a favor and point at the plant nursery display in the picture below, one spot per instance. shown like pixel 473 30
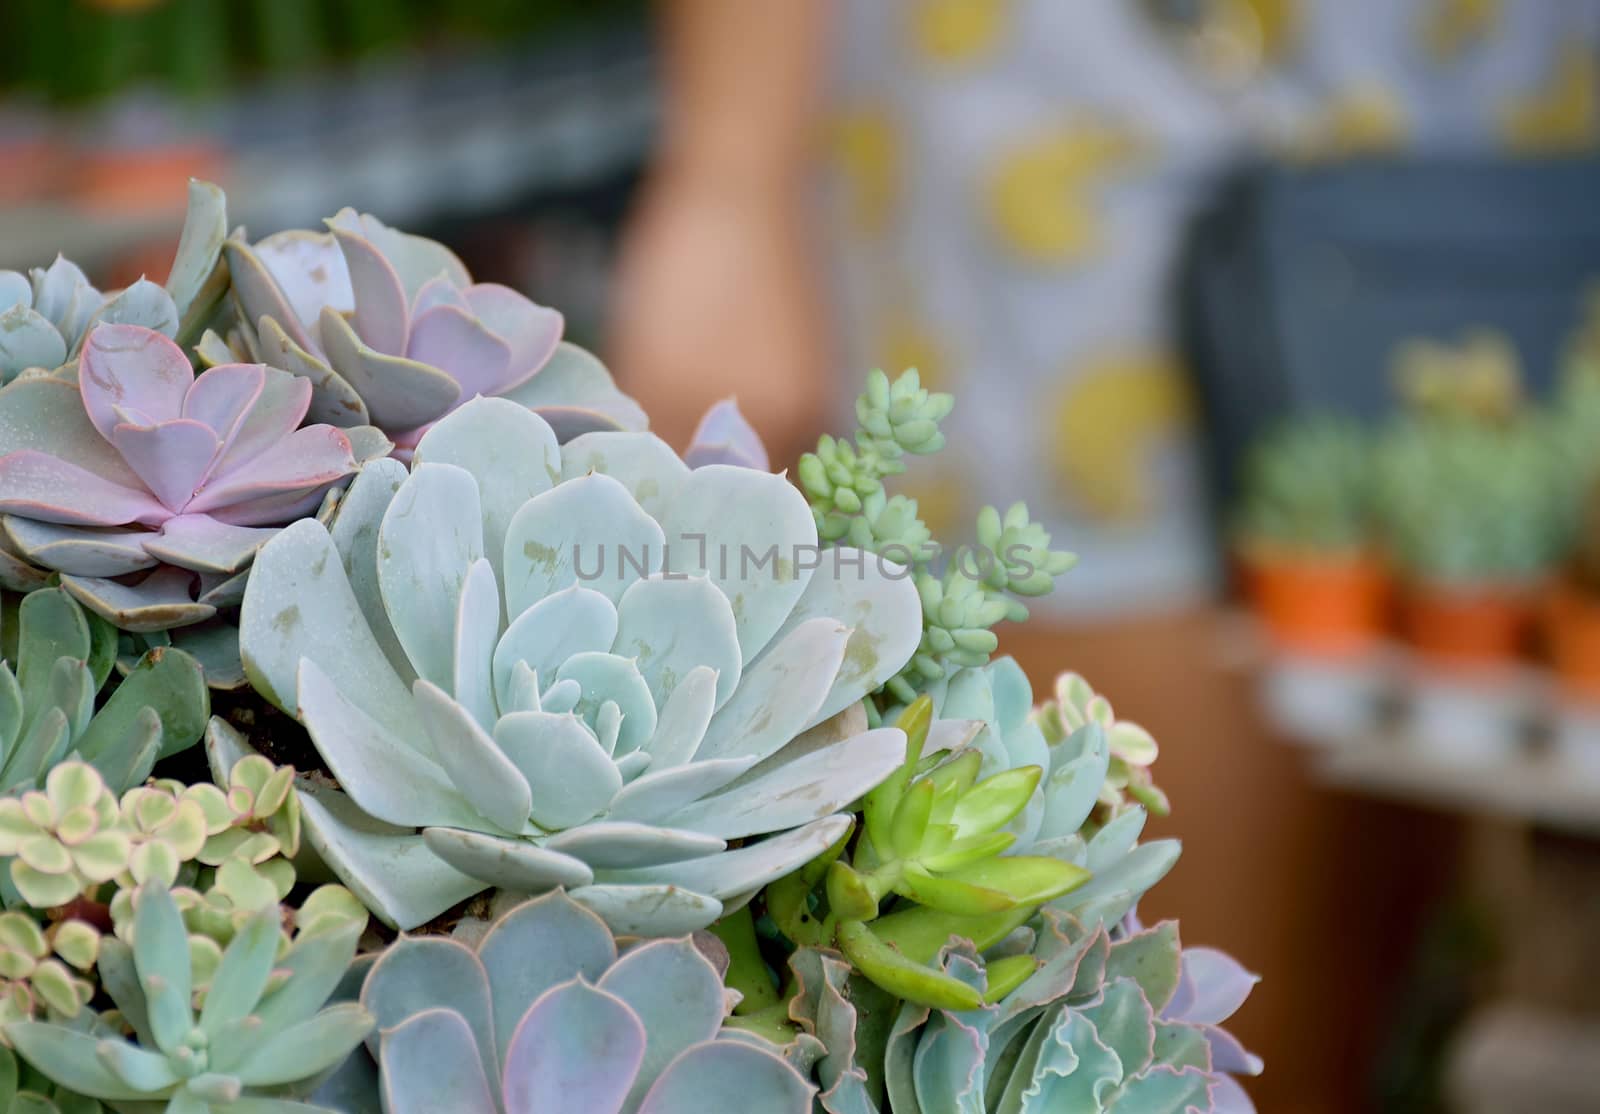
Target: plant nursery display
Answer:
pixel 390 722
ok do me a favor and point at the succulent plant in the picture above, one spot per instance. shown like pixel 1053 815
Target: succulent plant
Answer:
pixel 609 732
pixel 142 465
pixel 1094 1023
pixel 64 839
pixel 45 315
pixel 1468 501
pixel 542 1013
pixel 977 586
pixel 1133 749
pixel 1479 378
pixel 1307 486
pixel 391 329
pixel 40 968
pixel 724 437
pixel 63 659
pixel 259 1037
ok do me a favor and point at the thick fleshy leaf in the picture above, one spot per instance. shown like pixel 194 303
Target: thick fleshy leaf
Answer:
pixel 144 304
pixel 428 1065
pixel 655 909
pixel 571 777
pixel 382 309
pixel 390 869
pixel 725 437
pixel 289 277
pixel 578 1048
pixel 576 394
pixel 728 1075
pixel 126 369
pixel 779 694
pixel 159 602
pixel 275 413
pixel 200 542
pixel 604 844
pixel 753 534
pixel 477 628
pixel 641 462
pixel 47 415
pixel 81 550
pixel 570 940
pixel 416 259
pixel 355 534
pixel 400 394
pixel 511 864
pixel 161 955
pixel 50 489
pixel 660 793
pixel 676 994
pixel 810 788
pixel 510 451
pixel 28 339
pixel 333 400
pixel 608 678
pixel 390 780
pixel 431 972
pixel 1214 986
pixel 242 976
pixel 481 772
pixel 461 346
pixel 747 868
pixel 306 1049
pixel 530 330
pixel 573 621
pixel 586 530
pixel 429 538
pixel 71 1057
pixel 1164 1091
pixel 195 281
pixel 167 681
pixel 682 722
pixel 671 626
pixel 282 483
pixel 299 602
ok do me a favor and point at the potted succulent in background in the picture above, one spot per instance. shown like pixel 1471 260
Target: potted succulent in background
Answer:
pixel 1473 523
pixel 1304 537
pixel 1313 575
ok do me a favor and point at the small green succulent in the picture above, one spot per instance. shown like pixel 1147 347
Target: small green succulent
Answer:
pixel 65 839
pixel 63 657
pixel 25 1091
pixel 543 1013
pixel 41 968
pixel 979 584
pixel 259 1038
pixel 1133 749
pixel 1307 486
pixel 1467 501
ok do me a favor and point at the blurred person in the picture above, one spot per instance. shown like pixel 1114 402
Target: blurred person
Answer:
pixel 1004 188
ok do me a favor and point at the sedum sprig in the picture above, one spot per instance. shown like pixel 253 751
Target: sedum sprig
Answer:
pixel 979 585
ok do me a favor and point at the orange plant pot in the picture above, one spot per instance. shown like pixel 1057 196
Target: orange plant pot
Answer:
pixel 1571 627
pixel 1332 606
pixel 1471 625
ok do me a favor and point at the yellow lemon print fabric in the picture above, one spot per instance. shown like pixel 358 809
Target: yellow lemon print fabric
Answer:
pixel 1043 197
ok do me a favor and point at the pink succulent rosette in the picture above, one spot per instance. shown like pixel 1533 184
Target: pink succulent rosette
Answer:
pixel 390 329
pixel 142 480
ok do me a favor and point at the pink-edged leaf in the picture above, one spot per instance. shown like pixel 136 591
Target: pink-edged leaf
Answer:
pixel 160 601
pixel 724 437
pixel 577 1048
pixel 1213 986
pixel 135 368
pixel 532 331
pixel 382 317
pixel 462 347
pixel 1228 1054
pixel 416 259
pixel 222 396
pixel 201 543
pixel 277 413
pixel 274 510
pixel 438 291
pixel 37 485
pixel 301 463
pixel 172 458
pixel 399 393
pixel 81 550
pixel 333 401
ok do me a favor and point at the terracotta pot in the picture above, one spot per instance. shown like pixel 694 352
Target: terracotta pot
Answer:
pixel 1571 627
pixel 1332 606
pixel 145 180
pixel 1469 624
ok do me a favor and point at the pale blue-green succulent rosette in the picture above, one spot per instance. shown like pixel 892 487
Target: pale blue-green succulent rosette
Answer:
pixel 494 718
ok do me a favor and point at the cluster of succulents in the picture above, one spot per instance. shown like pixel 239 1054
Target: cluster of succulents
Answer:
pixel 1307 486
pixel 556 770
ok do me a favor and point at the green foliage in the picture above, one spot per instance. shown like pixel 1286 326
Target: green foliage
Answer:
pixel 1307 486
pixel 979 585
pixel 1465 501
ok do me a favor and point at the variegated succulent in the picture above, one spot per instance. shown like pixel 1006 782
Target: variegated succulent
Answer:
pixel 467 667
pixel 1133 749
pixel 64 840
pixel 541 1013
pixel 63 658
pixel 1126 1024
pixel 143 469
pixel 41 968
pixel 260 1038
pixel 390 329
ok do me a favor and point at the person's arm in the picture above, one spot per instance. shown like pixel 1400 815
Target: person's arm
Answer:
pixel 716 286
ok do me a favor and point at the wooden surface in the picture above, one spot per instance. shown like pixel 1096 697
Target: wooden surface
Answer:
pixel 1321 893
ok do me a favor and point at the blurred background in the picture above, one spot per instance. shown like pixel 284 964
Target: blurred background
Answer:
pixel 1283 314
